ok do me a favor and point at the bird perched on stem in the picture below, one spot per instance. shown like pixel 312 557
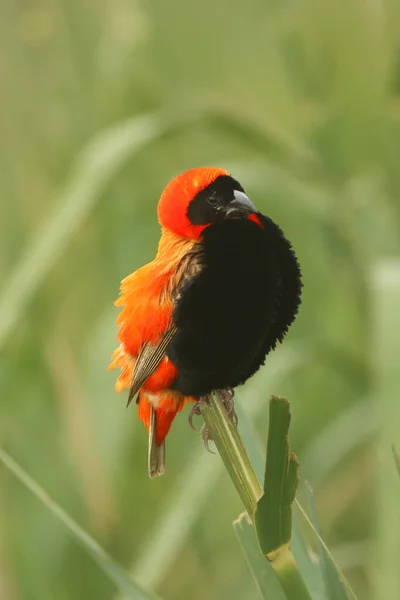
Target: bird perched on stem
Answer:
pixel 222 291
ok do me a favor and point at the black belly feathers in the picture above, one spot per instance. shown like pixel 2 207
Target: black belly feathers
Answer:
pixel 233 312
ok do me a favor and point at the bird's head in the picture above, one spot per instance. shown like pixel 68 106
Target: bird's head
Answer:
pixel 202 197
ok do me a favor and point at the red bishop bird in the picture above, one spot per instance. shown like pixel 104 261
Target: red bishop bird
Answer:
pixel 222 291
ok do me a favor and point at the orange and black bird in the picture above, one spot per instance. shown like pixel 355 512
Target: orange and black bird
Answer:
pixel 222 291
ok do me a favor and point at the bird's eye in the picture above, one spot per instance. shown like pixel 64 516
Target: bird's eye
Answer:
pixel 212 200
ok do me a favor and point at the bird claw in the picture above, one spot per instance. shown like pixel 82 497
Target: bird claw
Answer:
pixel 205 432
pixel 196 411
pixel 227 395
pixel 206 439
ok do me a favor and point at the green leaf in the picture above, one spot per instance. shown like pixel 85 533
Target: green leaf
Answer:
pixel 240 469
pixel 335 586
pixel 113 570
pixel 273 518
pixel 263 574
pixel 309 569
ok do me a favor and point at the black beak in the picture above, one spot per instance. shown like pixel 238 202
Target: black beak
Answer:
pixel 241 206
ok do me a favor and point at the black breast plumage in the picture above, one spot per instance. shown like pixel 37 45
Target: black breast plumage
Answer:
pixel 237 307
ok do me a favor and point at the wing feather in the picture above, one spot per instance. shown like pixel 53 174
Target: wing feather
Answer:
pixel 151 355
pixel 148 360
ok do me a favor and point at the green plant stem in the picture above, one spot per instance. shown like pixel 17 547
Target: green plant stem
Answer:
pixel 232 451
pixel 234 456
pixel 289 575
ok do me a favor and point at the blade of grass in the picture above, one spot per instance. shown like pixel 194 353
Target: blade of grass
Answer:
pixel 309 568
pixel 385 283
pixel 273 517
pixel 237 463
pixel 263 574
pixel 328 553
pixel 274 511
pixel 335 587
pixel 113 570
pixel 94 168
pixel 232 451
pixel 354 427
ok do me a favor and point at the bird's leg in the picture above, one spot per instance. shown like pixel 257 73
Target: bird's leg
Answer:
pixel 205 432
pixel 227 395
pixel 196 411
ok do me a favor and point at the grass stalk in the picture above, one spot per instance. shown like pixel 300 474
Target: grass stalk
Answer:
pixel 232 451
pixel 235 458
pixel 117 574
pixel 291 580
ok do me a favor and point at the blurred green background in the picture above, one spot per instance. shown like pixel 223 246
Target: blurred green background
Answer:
pixel 102 103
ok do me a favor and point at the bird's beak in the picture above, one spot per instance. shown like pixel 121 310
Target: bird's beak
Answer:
pixel 241 206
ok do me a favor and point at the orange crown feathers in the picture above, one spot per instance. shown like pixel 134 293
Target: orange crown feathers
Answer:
pixel 178 194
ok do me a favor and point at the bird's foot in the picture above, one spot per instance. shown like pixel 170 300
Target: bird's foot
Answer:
pixel 196 411
pixel 227 395
pixel 205 432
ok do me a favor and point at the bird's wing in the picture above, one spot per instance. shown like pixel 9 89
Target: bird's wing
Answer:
pixel 151 355
pixel 148 360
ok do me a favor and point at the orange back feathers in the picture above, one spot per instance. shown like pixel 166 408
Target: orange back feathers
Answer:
pixel 147 311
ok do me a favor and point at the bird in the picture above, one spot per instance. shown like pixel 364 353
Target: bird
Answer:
pixel 222 291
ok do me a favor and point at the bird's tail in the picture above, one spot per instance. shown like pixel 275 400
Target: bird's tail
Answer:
pixel 156 458
pixel 157 413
